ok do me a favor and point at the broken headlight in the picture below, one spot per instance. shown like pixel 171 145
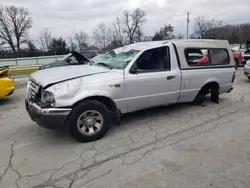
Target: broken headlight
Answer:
pixel 48 97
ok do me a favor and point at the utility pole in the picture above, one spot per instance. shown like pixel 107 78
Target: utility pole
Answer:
pixel 187 23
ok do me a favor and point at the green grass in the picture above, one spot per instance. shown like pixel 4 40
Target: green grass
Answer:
pixel 22 72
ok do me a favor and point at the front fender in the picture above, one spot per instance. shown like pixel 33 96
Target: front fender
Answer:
pixel 67 95
pixel 88 94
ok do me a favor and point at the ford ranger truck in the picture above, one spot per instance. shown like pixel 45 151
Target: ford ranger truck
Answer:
pixel 86 99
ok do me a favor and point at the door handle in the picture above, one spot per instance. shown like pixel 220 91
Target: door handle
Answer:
pixel 170 77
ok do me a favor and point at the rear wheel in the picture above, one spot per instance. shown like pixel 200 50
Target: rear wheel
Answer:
pixel 213 89
pixel 89 121
pixel 215 94
pixel 200 98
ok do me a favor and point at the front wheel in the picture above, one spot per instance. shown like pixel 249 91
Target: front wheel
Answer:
pixel 89 121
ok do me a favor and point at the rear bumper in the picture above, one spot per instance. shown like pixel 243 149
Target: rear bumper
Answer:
pixel 50 118
pixel 7 87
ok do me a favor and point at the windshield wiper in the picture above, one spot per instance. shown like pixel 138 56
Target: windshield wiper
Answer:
pixel 105 65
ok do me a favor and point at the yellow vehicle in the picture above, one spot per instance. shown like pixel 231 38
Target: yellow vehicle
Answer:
pixel 7 85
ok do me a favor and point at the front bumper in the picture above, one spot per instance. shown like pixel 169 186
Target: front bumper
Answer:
pixel 247 70
pixel 7 87
pixel 11 92
pixel 50 118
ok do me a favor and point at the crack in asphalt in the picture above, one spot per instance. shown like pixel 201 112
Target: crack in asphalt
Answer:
pixel 142 156
pixel 10 165
pixel 95 178
pixel 57 170
pixel 72 181
pixel 53 181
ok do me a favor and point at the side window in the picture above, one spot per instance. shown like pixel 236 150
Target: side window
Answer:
pixel 72 60
pixel 243 46
pixel 219 57
pixel 206 57
pixel 157 59
pixel 197 56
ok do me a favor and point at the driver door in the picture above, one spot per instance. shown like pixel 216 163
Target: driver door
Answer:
pixel 151 81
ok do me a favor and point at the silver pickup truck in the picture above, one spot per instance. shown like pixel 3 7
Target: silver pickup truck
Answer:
pixel 86 99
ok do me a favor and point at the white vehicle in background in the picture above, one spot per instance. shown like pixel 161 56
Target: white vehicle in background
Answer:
pixel 87 99
pixel 245 52
pixel 247 69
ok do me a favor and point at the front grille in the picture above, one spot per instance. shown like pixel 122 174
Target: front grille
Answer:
pixel 34 91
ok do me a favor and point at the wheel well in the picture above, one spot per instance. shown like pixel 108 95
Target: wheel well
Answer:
pixel 109 103
pixel 207 87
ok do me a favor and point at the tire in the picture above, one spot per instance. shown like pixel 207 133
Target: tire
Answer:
pixel 215 95
pixel 200 98
pixel 86 114
pixel 248 78
pixel 207 89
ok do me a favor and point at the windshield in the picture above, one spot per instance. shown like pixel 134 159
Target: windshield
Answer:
pixel 117 59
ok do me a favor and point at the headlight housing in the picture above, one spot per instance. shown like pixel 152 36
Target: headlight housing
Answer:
pixel 48 97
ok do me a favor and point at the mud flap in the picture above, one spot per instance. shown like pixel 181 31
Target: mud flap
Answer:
pixel 115 118
pixel 215 97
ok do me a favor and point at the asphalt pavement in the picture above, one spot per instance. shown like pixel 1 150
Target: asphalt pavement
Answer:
pixel 180 146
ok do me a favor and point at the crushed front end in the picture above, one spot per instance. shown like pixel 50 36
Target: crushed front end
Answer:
pixel 43 113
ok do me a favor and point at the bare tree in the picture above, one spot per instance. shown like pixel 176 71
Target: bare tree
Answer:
pixel 167 32
pixel 203 28
pixel 14 26
pixel 244 32
pixel 117 32
pixel 45 39
pixel 233 33
pixel 132 21
pixel 147 38
pixel 138 34
pixel 193 36
pixel 164 33
pixel 101 35
pixel 81 39
pixel 179 36
pixel 211 25
pixel 200 27
pixel 72 44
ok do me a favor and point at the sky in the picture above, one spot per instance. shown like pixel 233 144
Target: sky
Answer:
pixel 62 17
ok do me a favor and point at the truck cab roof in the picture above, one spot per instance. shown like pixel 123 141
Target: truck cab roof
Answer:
pixel 193 45
pixel 208 43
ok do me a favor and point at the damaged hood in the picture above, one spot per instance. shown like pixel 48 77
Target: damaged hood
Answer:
pixel 55 75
